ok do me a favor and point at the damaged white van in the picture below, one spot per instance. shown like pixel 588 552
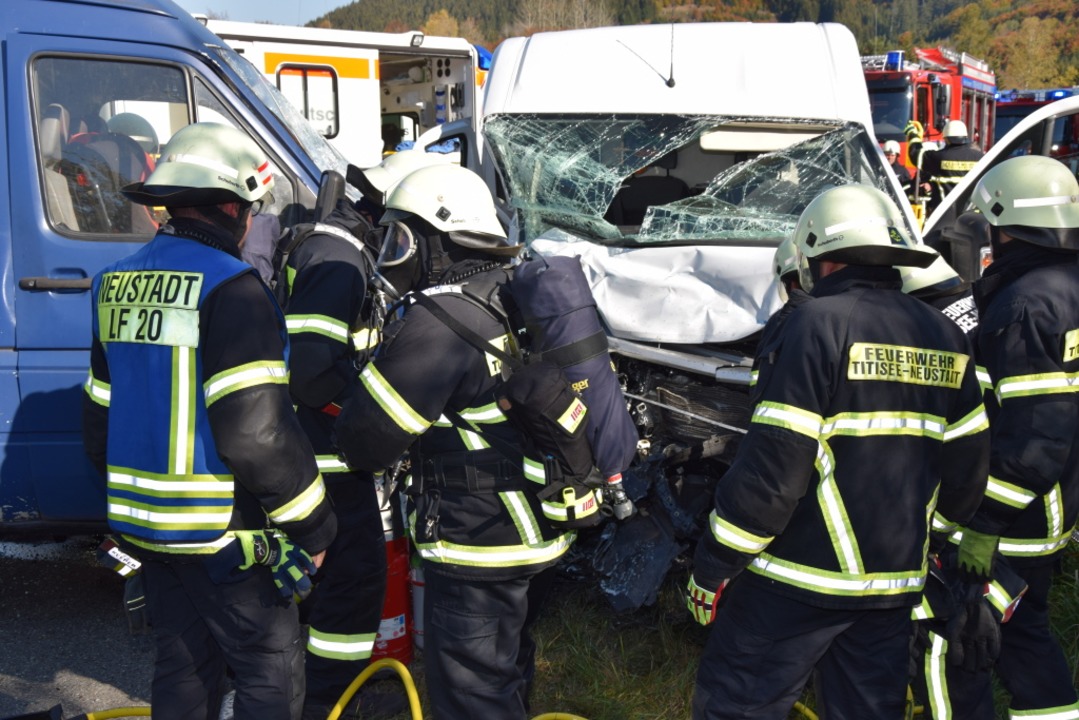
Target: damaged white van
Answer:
pixel 673 160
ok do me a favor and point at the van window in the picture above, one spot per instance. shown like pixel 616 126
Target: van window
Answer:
pixel 100 126
pixel 313 90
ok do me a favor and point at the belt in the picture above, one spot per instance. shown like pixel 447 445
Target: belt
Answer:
pixel 474 471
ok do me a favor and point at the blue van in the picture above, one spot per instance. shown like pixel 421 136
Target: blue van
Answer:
pixel 92 90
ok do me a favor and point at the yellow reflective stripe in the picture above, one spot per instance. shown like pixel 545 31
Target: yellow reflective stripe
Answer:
pixel 1037 384
pixel 936 679
pixel 319 325
pixel 472 440
pixel 975 422
pixel 1064 712
pixel 185 548
pixel 941 524
pixel 336 646
pixel 1032 547
pixel 789 417
pixel 984 379
pixel 1008 493
pixel 884 423
pixel 183 401
pixel 497 556
pixel 754 375
pixel 726 533
pixel 393 404
pixel 486 414
pixel 244 376
pixel 365 338
pixel 998 597
pixel 533 470
pixel 921 611
pixel 99 392
pixel 557 508
pixel 330 464
pixel 830 582
pixel 301 506
pixel 834 512
pixel 518 508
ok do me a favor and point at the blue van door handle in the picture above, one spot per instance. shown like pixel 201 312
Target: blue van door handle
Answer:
pixel 41 284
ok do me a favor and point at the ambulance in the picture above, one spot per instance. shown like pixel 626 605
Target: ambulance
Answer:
pixel 365 92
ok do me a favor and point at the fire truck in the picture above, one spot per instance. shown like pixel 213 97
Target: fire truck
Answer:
pixel 941 85
pixel 1014 105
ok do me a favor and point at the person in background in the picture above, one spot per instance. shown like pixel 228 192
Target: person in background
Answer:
pixel 187 416
pixel 833 537
pixel 902 172
pixel 941 170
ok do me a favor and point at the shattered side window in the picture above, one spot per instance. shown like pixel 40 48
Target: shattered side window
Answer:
pixel 631 180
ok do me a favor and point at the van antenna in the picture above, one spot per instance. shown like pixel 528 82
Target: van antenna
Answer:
pixel 668 81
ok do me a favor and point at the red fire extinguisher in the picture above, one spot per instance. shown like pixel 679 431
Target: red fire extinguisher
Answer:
pixel 393 639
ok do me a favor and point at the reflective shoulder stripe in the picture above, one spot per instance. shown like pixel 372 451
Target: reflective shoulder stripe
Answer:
pixel 99 392
pixel 244 376
pixel 335 646
pixel 729 534
pixel 975 422
pixel 830 582
pixel 1009 493
pixel 789 417
pixel 393 404
pixel 301 506
pixel 318 324
pixel 884 423
pixel 1037 384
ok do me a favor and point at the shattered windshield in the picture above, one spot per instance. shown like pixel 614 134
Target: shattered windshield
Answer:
pixel 662 179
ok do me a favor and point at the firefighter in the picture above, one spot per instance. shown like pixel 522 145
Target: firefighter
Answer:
pixel 333 321
pixel 487 550
pixel 785 267
pixel 902 172
pixel 874 416
pixel 1028 302
pixel 941 170
pixel 187 415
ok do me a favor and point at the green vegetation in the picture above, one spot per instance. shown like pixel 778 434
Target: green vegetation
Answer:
pixel 1030 44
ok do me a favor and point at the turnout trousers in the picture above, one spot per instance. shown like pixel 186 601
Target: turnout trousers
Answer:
pixel 201 627
pixel 1031 667
pixel 478 651
pixel 344 610
pixel 764 647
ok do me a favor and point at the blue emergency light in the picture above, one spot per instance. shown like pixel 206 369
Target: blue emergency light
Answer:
pixel 1058 94
pixel 894 60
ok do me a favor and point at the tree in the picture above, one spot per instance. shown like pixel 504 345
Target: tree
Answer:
pixel 1030 56
pixel 441 23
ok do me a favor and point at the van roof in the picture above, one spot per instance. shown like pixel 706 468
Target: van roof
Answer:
pixel 345 38
pixel 786 70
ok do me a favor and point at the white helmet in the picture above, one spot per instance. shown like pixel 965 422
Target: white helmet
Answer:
pixel 891 146
pixel 855 224
pixel 955 130
pixel 377 182
pixel 205 164
pixel 453 200
pixel 938 277
pixel 1034 198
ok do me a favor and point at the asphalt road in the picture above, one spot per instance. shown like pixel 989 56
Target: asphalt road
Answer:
pixel 64 638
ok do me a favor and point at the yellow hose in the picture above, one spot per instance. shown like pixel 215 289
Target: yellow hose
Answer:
pixel 805 712
pixel 406 678
pixel 557 716
pixel 120 712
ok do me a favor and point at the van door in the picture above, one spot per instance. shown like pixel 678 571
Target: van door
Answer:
pixel 337 90
pixel 84 121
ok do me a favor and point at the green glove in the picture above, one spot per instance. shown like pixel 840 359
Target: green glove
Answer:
pixel 702 602
pixel 914 131
pixel 976 555
pixel 291 566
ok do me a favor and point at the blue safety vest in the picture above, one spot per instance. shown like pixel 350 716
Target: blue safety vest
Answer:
pixel 168 488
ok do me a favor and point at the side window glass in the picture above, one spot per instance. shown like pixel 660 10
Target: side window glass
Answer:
pixel 100 126
pixel 314 91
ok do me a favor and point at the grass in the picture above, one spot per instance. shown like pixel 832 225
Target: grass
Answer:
pixel 641 666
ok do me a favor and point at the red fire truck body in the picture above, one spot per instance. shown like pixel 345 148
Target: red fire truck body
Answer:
pixel 942 85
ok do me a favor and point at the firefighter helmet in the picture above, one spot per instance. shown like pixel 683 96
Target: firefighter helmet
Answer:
pixel 206 164
pixel 858 225
pixel 955 131
pixel 377 182
pixel 785 261
pixel 1033 198
pixel 891 146
pixel 936 278
pixel 453 200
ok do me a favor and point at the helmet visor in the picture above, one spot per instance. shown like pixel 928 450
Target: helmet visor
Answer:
pixel 398 245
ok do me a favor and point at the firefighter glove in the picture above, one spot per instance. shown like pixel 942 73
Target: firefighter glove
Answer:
pixel 291 566
pixel 975 641
pixel 976 554
pixel 702 603
pixel 914 131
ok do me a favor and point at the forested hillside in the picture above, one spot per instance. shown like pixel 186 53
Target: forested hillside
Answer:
pixel 1029 44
